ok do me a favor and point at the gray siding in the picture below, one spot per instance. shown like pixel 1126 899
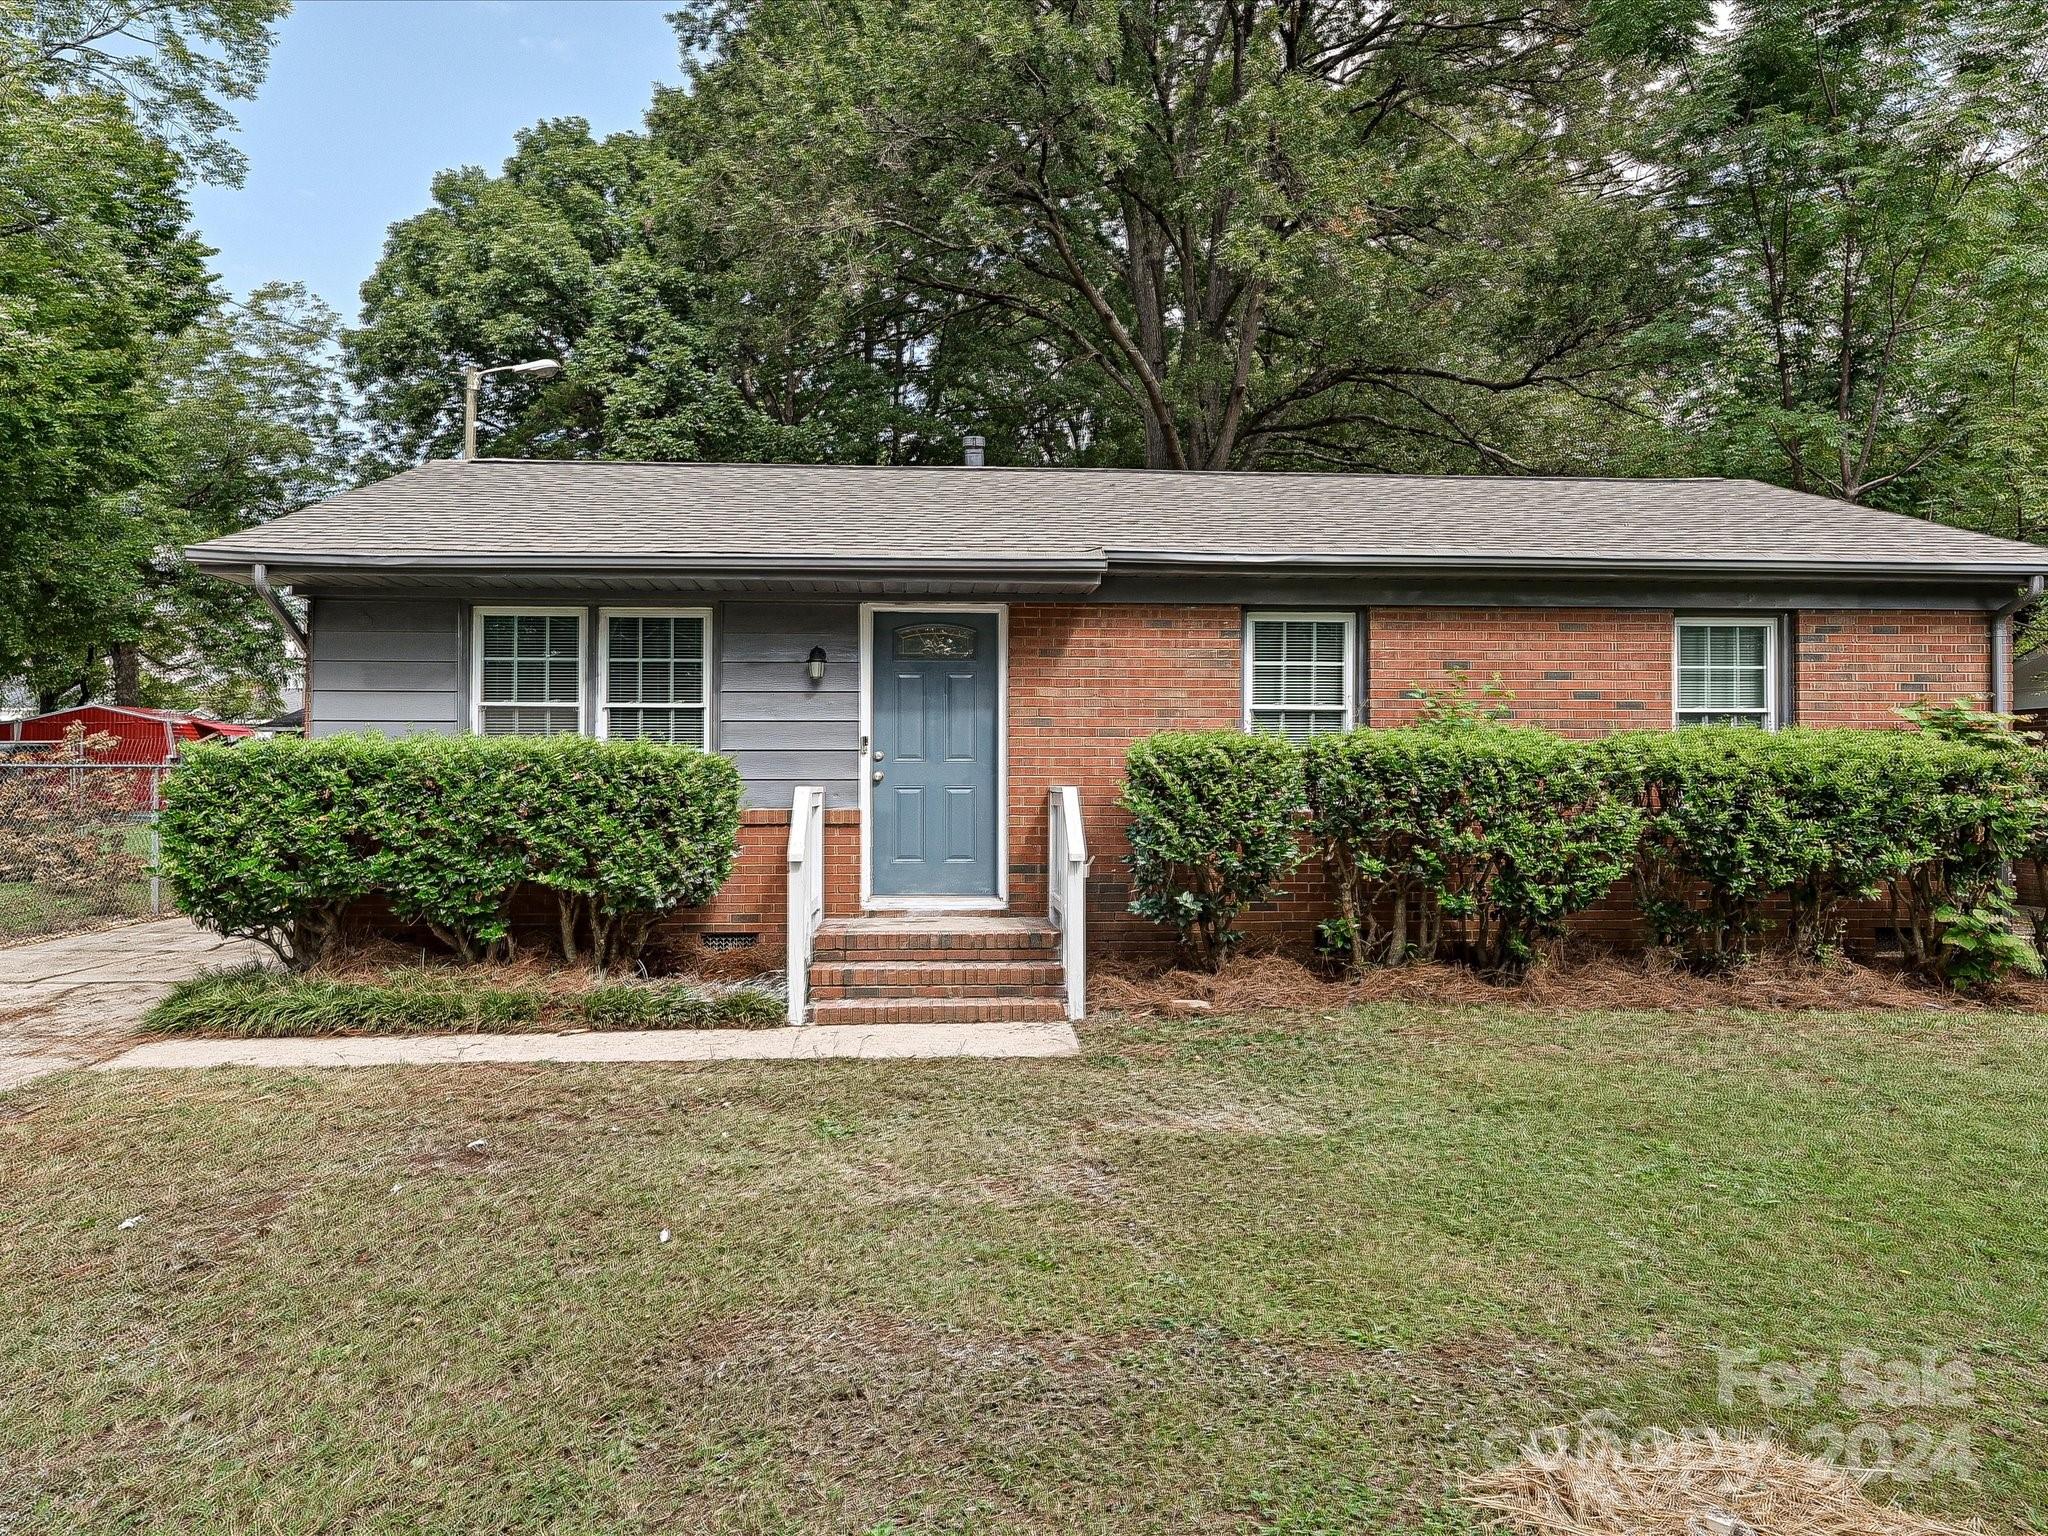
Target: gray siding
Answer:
pixel 393 666
pixel 399 665
pixel 780 728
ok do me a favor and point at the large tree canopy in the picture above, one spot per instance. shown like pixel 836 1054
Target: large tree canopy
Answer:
pixel 1862 195
pixel 1341 233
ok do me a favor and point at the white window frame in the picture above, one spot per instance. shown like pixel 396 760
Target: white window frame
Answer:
pixel 477 706
pixel 1345 616
pixel 1770 627
pixel 604 663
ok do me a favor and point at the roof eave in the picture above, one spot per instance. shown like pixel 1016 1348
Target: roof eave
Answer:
pixel 1198 562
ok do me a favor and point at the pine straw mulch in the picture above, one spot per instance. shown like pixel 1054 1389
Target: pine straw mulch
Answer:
pixel 1689 1486
pixel 1570 982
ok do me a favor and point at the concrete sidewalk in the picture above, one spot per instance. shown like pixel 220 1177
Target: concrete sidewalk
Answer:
pixel 70 1001
pixel 819 1042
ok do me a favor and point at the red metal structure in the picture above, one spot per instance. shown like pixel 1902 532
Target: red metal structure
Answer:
pixel 141 736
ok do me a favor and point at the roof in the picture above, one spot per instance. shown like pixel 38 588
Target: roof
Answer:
pixel 499 514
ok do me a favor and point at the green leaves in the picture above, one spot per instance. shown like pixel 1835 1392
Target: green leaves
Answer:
pixel 1471 836
pixel 278 840
pixel 1215 828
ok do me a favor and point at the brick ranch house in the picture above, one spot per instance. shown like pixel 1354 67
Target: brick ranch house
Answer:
pixel 936 671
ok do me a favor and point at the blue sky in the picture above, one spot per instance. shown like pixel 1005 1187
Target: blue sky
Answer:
pixel 367 99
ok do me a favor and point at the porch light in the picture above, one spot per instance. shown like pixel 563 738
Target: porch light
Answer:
pixel 815 666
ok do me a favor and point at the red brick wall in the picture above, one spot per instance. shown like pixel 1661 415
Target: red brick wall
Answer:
pixel 1856 667
pixel 1578 671
pixel 754 899
pixel 1088 679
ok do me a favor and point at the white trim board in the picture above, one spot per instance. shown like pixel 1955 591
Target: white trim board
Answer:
pixel 1000 902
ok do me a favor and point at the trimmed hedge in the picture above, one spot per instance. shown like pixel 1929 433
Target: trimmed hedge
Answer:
pixel 1737 821
pixel 1483 839
pixel 1215 828
pixel 256 1003
pixel 275 840
pixel 1468 837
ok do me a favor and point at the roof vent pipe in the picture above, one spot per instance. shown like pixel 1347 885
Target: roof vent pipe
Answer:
pixel 972 445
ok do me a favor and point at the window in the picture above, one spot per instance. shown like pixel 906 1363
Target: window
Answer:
pixel 1726 672
pixel 1299 676
pixel 529 671
pixel 657 675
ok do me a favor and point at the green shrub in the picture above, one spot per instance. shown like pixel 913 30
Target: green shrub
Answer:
pixel 1484 838
pixel 275 840
pixel 267 840
pixel 1215 827
pixel 1738 821
pixel 255 1003
pixel 624 831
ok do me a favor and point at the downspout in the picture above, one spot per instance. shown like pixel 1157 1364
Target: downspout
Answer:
pixel 2001 646
pixel 259 578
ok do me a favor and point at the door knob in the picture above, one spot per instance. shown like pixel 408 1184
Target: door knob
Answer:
pixel 878 775
pixel 878 754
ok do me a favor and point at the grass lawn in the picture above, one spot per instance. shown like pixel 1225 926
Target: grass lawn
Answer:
pixel 1215 1275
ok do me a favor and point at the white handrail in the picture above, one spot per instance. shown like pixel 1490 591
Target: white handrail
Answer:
pixel 1066 882
pixel 806 896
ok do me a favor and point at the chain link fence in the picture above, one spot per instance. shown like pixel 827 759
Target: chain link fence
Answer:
pixel 78 842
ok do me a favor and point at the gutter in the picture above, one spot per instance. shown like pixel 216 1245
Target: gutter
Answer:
pixel 259 578
pixel 2001 645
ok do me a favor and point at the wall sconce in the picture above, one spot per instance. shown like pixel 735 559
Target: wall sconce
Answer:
pixel 815 665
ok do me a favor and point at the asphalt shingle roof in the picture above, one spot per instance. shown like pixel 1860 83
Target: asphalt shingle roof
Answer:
pixel 590 515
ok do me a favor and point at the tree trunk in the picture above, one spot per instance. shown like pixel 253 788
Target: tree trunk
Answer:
pixel 125 657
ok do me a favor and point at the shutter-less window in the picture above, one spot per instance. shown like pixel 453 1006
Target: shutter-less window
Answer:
pixel 1724 673
pixel 1301 675
pixel 658 677
pixel 529 674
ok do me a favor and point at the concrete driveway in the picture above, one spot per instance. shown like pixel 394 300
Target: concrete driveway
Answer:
pixel 72 1001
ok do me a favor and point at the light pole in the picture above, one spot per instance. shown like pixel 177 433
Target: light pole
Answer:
pixel 539 367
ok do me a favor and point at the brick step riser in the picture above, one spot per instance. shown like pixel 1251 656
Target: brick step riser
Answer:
pixel 913 973
pixel 857 949
pixel 994 1010
pixel 931 991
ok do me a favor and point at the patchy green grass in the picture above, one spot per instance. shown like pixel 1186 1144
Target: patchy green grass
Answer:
pixel 1290 1276
pixel 259 1003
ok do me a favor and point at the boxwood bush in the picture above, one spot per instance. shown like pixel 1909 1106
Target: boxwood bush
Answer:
pixel 1481 839
pixel 1466 837
pixel 275 840
pixel 1215 827
pixel 1741 824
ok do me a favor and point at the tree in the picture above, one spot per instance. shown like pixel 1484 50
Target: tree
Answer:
pixel 101 104
pixel 1858 206
pixel 1339 233
pixel 249 420
pixel 551 259
pixel 175 63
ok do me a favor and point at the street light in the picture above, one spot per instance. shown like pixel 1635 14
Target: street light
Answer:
pixel 539 368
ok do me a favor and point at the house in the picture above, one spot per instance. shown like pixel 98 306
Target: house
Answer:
pixel 939 650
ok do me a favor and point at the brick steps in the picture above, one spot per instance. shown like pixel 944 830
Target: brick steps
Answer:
pixel 926 978
pixel 938 1010
pixel 936 968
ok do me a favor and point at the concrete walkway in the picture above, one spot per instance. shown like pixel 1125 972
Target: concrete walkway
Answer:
pixel 881 1042
pixel 71 1001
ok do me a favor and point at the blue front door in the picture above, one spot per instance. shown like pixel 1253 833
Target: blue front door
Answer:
pixel 932 763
